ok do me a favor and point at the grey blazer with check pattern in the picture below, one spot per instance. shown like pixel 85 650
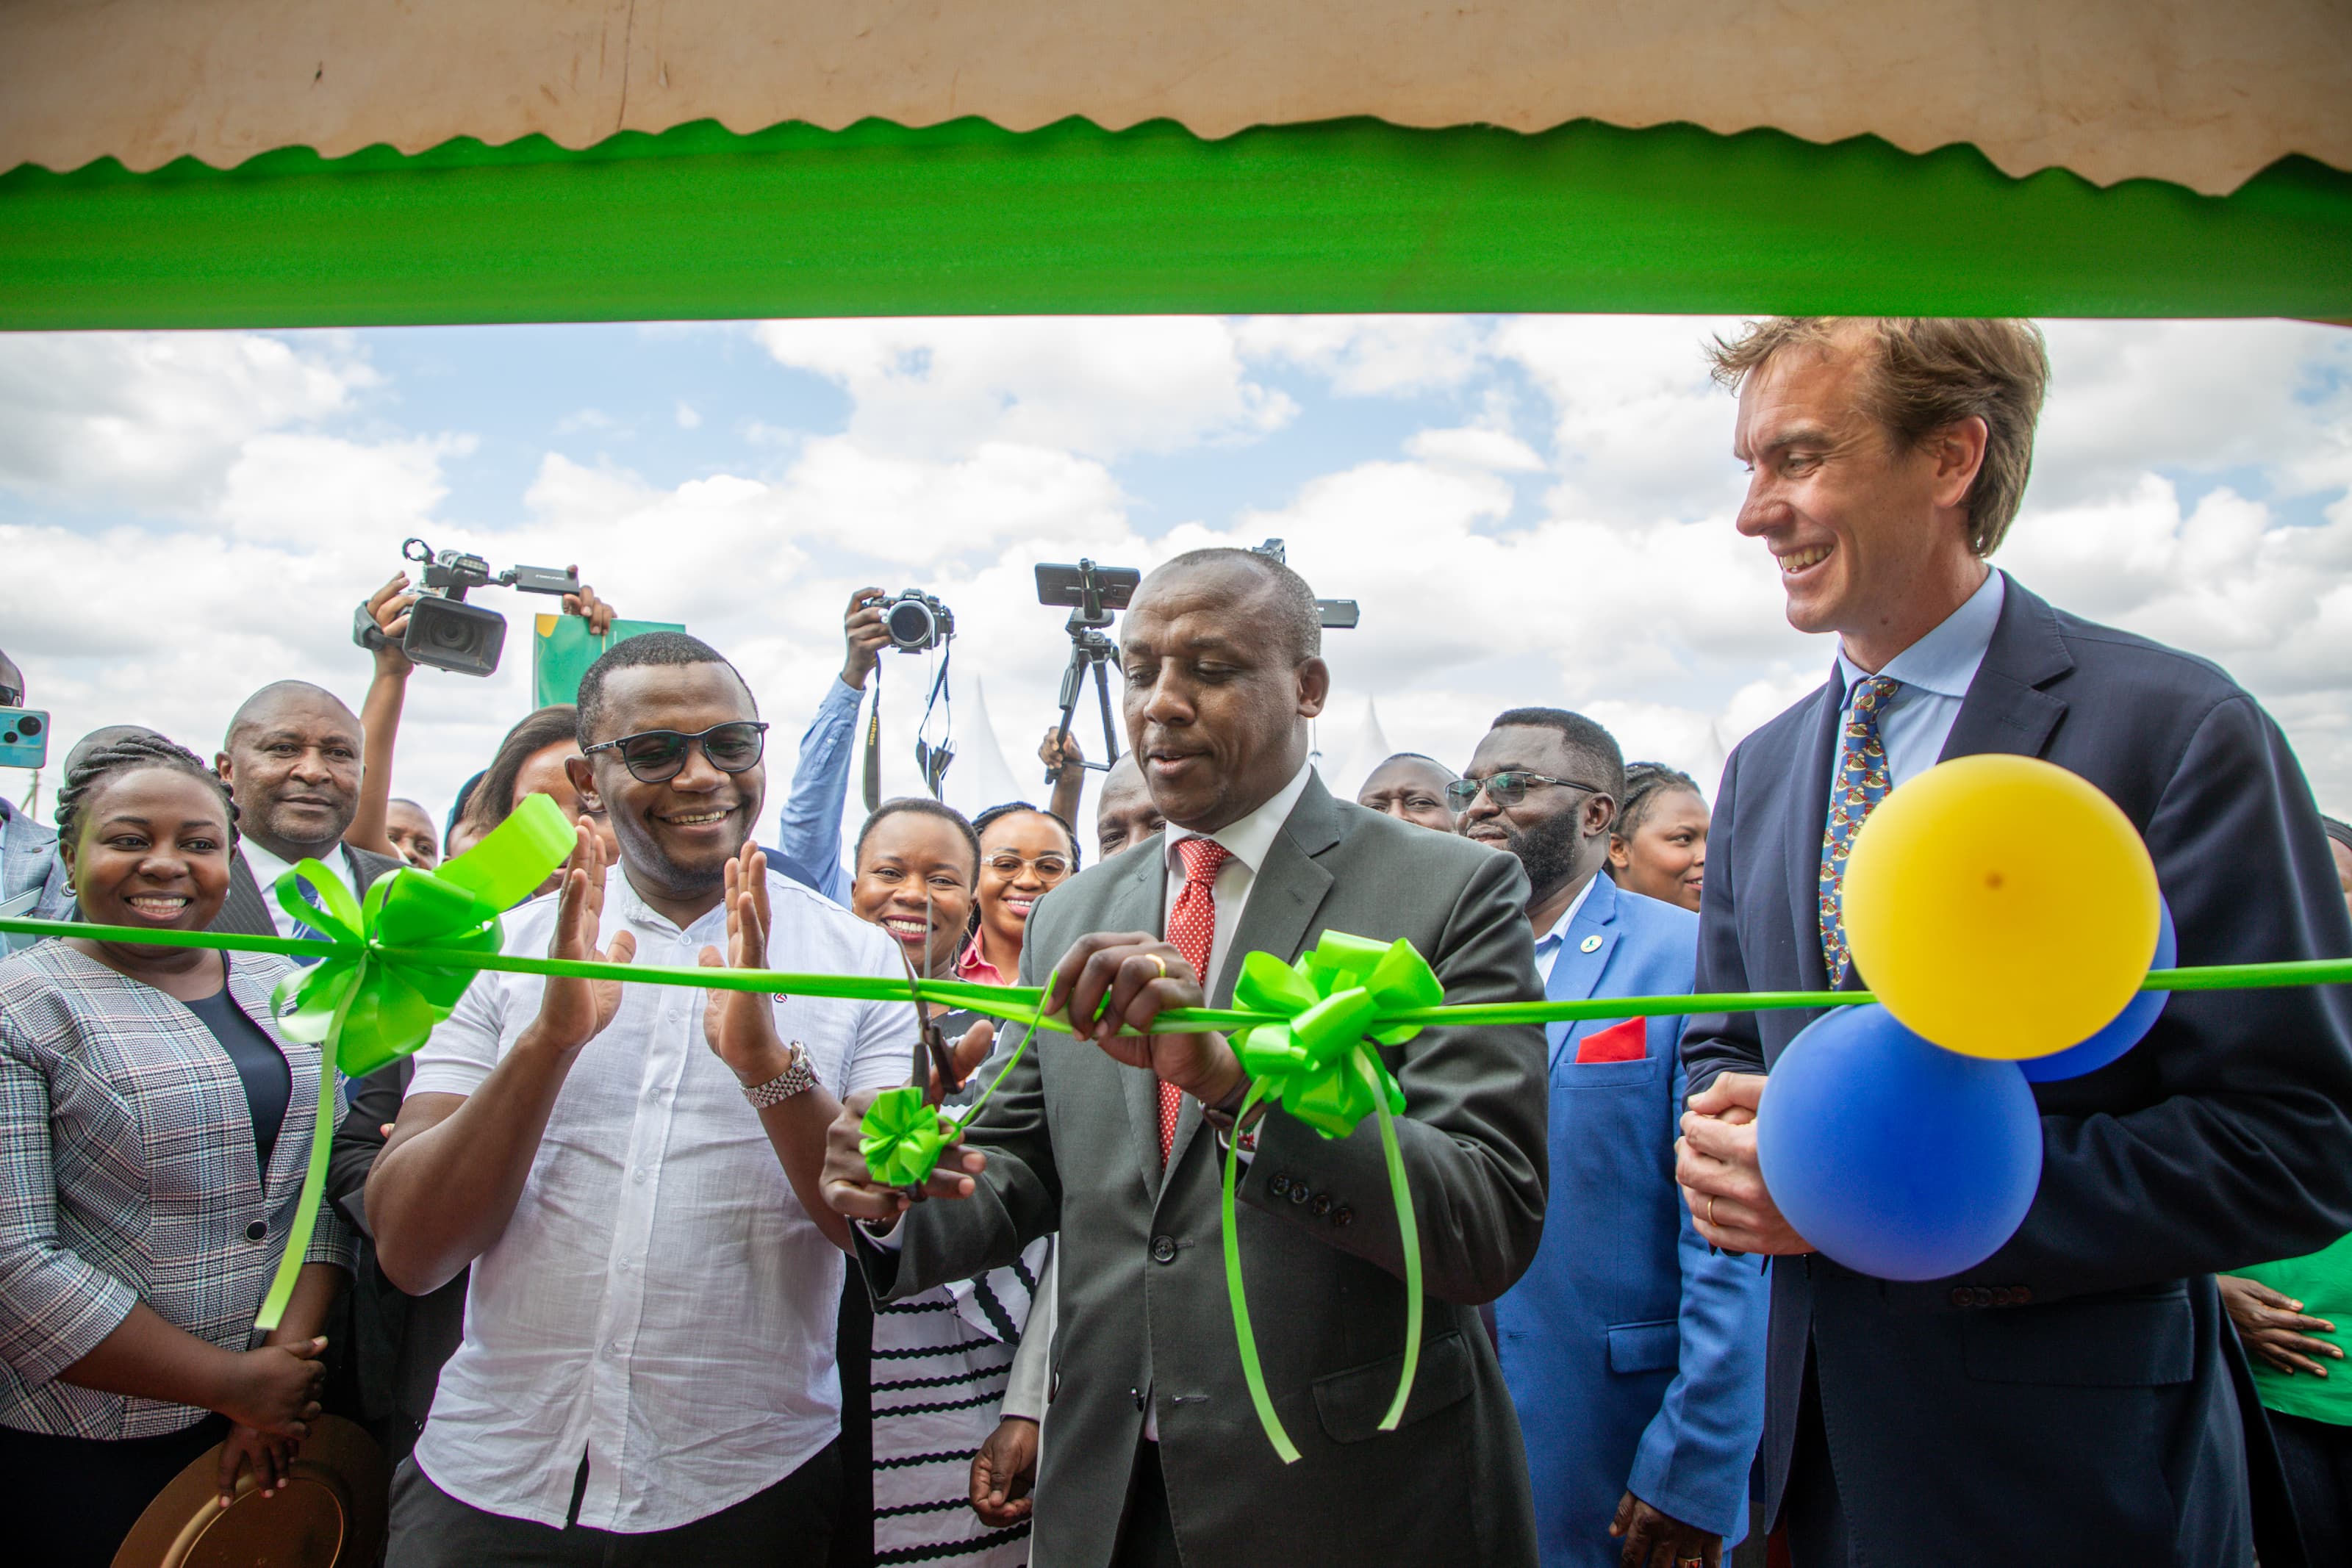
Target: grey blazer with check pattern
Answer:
pixel 127 1174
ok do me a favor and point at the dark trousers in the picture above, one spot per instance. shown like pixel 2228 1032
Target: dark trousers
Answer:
pixel 1810 1509
pixel 2317 1458
pixel 1147 1534
pixel 788 1525
pixel 82 1495
pixel 852 1534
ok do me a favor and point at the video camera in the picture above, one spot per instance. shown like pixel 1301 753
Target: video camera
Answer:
pixel 24 731
pixel 444 630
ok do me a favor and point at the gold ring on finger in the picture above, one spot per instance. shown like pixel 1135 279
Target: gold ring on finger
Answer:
pixel 1710 1208
pixel 1161 962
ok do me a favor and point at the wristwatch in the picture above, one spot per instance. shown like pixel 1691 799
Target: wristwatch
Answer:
pixel 799 1075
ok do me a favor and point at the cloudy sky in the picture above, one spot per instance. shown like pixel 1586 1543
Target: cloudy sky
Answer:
pixel 1530 509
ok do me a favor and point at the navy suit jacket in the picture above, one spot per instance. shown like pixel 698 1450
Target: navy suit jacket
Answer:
pixel 2070 1400
pixel 1634 1355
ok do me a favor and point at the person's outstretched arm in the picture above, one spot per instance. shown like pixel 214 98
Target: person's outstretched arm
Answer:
pixel 1069 766
pixel 808 830
pixel 380 720
pixel 442 1191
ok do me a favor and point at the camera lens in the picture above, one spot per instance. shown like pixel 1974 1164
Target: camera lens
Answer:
pixel 29 725
pixel 910 623
pixel 449 633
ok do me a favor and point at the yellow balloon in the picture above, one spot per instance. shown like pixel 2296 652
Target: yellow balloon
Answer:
pixel 2000 906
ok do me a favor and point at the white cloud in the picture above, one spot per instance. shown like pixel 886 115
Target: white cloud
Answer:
pixel 1097 387
pixel 154 419
pixel 297 486
pixel 1471 446
pixel 1370 356
pixel 687 417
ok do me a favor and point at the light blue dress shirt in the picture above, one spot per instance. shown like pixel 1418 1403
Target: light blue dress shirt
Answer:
pixel 1934 675
pixel 808 830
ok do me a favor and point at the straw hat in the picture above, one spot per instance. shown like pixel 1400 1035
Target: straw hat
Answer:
pixel 330 1514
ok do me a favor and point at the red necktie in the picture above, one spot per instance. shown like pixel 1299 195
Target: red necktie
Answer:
pixel 1192 929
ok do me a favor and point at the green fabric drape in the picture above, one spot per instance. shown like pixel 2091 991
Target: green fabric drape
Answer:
pixel 965 217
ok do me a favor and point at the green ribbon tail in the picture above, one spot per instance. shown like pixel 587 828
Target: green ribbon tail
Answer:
pixel 314 1181
pixel 1408 1231
pixel 1252 1373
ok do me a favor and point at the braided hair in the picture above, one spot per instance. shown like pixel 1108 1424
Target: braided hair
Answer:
pixel 129 754
pixel 920 806
pixel 1647 783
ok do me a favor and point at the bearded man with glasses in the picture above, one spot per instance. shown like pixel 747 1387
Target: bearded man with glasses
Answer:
pixel 647 1369
pixel 1633 1351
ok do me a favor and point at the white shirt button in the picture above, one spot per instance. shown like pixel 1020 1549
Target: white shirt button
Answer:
pixel 640 1174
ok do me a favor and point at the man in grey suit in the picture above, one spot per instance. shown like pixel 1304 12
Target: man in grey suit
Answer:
pixel 292 761
pixel 1154 1454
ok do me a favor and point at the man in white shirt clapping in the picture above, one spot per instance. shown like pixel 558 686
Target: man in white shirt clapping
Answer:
pixel 647 1370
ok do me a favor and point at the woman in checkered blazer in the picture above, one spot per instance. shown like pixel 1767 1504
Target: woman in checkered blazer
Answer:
pixel 154 1129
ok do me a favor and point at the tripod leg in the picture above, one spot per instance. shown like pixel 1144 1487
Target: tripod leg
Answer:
pixel 1074 679
pixel 1110 729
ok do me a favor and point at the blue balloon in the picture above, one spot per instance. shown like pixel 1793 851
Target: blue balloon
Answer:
pixel 1893 1156
pixel 2125 1029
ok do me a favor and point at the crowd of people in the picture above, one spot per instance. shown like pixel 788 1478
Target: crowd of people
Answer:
pixel 604 1272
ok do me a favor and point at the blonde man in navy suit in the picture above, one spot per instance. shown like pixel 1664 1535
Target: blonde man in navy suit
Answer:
pixel 1634 1352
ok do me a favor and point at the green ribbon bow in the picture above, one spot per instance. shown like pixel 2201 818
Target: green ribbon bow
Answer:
pixel 371 1007
pixel 900 1136
pixel 1320 1065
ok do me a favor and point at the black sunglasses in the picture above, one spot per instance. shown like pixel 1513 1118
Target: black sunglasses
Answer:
pixel 1505 788
pixel 656 756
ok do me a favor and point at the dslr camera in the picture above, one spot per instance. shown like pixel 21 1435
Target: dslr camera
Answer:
pixel 445 632
pixel 915 620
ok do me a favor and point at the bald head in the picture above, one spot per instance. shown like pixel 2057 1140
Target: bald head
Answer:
pixel 292 763
pixel 1124 814
pixel 279 697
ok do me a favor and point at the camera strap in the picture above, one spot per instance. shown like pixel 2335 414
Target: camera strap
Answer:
pixel 931 759
pixel 874 747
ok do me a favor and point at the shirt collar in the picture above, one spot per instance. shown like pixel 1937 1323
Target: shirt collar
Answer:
pixel 266 868
pixel 972 964
pixel 1558 932
pixel 1250 840
pixel 1946 660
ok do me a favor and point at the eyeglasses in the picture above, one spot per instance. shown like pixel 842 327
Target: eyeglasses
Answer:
pixel 1049 868
pixel 1505 788
pixel 656 756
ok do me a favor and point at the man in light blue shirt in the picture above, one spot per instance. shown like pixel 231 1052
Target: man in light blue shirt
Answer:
pixel 1931 678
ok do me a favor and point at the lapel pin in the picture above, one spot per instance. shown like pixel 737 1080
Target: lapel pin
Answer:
pixel 1591 944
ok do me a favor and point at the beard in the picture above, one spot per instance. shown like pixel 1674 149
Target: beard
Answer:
pixel 1546 853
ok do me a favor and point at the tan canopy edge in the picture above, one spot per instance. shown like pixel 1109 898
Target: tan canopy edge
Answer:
pixel 2200 94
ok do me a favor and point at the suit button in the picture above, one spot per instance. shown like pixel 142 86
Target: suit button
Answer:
pixel 1163 1249
pixel 1321 1205
pixel 1343 1216
pixel 1960 1296
pixel 1980 1297
pixel 1279 1187
pixel 1298 1192
pixel 2002 1295
pixel 258 1231
pixel 2021 1296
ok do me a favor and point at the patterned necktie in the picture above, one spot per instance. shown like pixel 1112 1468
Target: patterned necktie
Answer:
pixel 1191 930
pixel 1862 783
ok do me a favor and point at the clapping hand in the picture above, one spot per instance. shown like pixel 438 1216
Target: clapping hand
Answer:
pixel 741 1025
pixel 573 1011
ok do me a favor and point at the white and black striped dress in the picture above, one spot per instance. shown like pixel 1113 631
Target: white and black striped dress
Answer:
pixel 941 1361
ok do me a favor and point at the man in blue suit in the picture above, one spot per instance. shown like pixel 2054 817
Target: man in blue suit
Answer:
pixel 2076 1398
pixel 1634 1353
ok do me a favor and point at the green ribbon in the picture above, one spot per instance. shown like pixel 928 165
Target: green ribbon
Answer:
pixel 902 1136
pixel 396 965
pixel 1315 1060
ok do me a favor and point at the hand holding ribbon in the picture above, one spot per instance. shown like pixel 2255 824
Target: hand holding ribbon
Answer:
pixel 400 964
pixel 1320 1065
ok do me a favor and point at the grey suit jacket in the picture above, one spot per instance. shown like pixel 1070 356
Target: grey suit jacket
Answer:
pixel 245 911
pixel 30 869
pixel 1073 1144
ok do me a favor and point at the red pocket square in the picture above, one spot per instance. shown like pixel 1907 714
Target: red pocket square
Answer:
pixel 1627 1041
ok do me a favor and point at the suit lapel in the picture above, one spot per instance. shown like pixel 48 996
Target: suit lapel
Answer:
pixel 1141 904
pixel 1284 896
pixel 243 911
pixel 1576 968
pixel 2005 710
pixel 1801 844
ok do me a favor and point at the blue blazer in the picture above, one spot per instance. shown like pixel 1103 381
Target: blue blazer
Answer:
pixel 1634 1357
pixel 2071 1399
